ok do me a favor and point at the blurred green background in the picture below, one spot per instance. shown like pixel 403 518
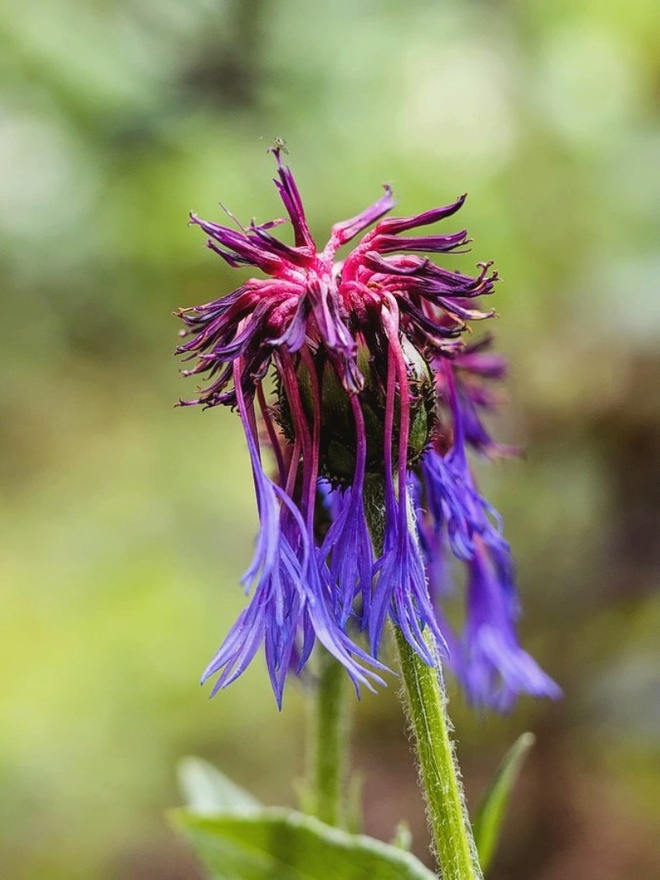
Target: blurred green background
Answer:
pixel 127 522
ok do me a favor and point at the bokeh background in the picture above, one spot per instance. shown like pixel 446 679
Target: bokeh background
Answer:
pixel 127 523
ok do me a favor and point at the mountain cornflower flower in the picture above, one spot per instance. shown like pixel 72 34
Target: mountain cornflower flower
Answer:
pixel 353 372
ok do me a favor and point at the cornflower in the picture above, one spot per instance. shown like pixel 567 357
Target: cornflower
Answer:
pixel 354 374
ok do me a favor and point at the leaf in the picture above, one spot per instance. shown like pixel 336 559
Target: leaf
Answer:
pixel 281 844
pixel 208 791
pixel 490 815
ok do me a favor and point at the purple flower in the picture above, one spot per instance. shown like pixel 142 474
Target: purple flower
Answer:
pixel 355 375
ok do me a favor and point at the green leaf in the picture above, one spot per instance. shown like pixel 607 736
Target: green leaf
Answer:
pixel 490 815
pixel 280 844
pixel 207 791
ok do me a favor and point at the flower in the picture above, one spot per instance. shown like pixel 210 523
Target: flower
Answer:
pixel 355 375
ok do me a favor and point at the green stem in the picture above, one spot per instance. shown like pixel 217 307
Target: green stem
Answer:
pixel 330 744
pixel 438 768
pixel 426 707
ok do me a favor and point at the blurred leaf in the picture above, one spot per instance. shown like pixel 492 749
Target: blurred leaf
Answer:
pixel 280 844
pixel 207 791
pixel 491 812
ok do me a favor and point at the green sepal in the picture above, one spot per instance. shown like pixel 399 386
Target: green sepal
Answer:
pixel 492 809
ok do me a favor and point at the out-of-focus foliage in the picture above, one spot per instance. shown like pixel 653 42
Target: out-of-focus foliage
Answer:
pixel 237 837
pixel 127 523
pixel 487 821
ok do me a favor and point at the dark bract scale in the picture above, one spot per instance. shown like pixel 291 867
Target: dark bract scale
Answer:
pixel 355 376
pixel 338 440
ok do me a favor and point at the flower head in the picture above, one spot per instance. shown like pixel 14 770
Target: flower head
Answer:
pixel 355 374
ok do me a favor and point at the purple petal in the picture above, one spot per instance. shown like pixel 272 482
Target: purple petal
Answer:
pixel 491 663
pixel 346 230
pixel 394 225
pixel 387 244
pixel 350 551
pixel 290 196
pixel 402 592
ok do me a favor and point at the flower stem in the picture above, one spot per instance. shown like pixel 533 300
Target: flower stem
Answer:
pixel 438 768
pixel 330 742
pixel 426 708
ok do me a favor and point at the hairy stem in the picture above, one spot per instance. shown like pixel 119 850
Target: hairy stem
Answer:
pixel 425 704
pixel 438 769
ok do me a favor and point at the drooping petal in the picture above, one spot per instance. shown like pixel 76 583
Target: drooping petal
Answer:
pixel 490 662
pixel 276 577
pixel 476 434
pixel 348 545
pixel 402 592
pixel 401 589
pixel 358 663
pixel 351 559
pixel 473 369
pixel 486 657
